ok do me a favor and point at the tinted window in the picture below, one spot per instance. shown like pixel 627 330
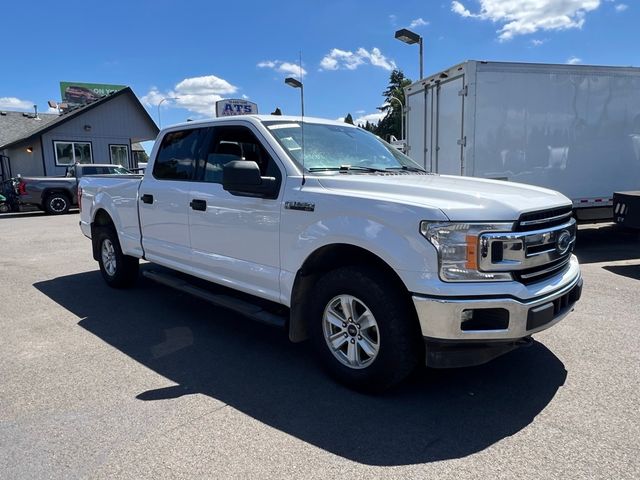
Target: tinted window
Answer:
pixel 178 154
pixel 227 144
pixel 90 171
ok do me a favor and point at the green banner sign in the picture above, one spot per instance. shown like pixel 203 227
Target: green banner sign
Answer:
pixel 76 93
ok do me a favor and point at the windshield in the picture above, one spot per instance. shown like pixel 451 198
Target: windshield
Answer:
pixel 336 147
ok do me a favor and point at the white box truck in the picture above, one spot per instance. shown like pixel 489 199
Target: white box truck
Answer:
pixel 571 128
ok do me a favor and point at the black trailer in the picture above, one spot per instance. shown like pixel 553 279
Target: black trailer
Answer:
pixel 626 208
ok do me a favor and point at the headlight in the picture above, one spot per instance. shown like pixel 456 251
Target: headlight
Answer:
pixel 457 245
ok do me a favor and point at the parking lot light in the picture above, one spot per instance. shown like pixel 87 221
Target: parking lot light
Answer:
pixel 410 38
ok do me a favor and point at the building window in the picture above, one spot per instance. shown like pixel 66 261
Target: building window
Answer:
pixel 119 155
pixel 68 153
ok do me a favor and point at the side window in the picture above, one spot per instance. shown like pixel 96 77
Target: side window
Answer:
pixel 178 154
pixel 90 171
pixel 234 143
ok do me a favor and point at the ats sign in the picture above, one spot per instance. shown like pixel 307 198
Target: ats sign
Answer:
pixel 230 106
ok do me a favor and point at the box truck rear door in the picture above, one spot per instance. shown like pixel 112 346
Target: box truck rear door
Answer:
pixel 449 127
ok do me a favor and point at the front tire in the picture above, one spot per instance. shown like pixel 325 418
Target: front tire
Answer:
pixel 57 204
pixel 364 331
pixel 118 270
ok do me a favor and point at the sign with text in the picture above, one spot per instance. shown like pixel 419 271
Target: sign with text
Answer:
pixel 76 93
pixel 231 106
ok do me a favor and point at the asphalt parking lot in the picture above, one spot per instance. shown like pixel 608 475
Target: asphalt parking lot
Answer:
pixel 151 383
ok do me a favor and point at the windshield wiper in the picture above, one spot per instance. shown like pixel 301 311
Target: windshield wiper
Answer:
pixel 408 168
pixel 346 168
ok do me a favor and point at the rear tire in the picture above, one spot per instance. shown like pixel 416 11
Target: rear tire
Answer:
pixel 4 208
pixel 118 270
pixel 57 204
pixel 363 329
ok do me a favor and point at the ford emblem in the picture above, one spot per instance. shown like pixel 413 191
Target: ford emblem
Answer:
pixel 564 242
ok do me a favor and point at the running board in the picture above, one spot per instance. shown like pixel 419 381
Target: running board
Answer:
pixel 255 312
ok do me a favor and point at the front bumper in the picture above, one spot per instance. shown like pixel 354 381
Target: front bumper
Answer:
pixel 492 324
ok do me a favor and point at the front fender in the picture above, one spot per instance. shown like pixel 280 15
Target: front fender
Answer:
pixel 404 250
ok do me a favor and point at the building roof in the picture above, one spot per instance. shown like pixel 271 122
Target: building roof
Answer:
pixel 17 125
pixel 40 128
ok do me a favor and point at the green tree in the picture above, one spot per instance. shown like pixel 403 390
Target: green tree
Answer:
pixel 390 123
pixel 348 119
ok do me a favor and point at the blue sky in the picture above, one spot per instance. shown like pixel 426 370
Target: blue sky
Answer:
pixel 204 50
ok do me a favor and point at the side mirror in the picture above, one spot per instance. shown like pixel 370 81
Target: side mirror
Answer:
pixel 242 177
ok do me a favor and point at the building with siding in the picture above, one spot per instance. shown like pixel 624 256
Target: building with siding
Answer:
pixel 100 132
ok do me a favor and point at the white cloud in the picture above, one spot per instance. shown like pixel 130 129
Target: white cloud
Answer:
pixel 574 61
pixel 522 17
pixel 371 118
pixel 346 59
pixel 288 68
pixel 13 103
pixel 393 19
pixel 536 43
pixel 418 22
pixel 460 9
pixel 196 94
pixel 621 7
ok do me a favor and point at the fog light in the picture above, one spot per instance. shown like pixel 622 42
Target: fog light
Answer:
pixel 466 315
pixel 484 319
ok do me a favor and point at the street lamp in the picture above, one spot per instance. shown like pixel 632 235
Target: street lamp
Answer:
pixel 401 116
pixel 160 103
pixel 409 37
pixel 292 82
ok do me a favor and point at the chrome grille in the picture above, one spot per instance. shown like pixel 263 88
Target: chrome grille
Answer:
pixel 540 247
pixel 543 219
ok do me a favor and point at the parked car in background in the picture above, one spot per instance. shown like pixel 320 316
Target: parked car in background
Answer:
pixel 56 195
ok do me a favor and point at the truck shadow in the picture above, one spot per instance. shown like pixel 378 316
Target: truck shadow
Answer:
pixel 437 415
pixel 607 243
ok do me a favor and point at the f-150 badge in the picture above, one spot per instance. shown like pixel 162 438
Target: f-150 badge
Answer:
pixel 303 206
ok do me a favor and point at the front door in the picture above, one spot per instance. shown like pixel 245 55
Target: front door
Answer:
pixel 235 238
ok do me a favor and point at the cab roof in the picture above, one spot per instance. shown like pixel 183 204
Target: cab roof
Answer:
pixel 260 119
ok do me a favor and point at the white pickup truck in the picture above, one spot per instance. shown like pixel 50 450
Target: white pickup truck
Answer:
pixel 333 234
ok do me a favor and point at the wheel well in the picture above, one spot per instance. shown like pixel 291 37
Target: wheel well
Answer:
pixel 323 260
pixel 101 219
pixel 51 191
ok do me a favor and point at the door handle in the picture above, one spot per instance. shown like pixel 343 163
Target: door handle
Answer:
pixel 198 205
pixel 146 198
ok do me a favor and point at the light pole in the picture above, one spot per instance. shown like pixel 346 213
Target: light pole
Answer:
pixel 409 37
pixel 292 82
pixel 295 83
pixel 160 103
pixel 401 116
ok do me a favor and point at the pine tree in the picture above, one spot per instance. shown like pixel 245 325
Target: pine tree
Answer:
pixel 391 124
pixel 348 119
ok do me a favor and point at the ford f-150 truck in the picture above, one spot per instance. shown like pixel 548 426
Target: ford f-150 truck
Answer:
pixel 328 231
pixel 56 195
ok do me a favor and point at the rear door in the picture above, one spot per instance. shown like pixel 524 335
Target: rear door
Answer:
pixel 235 238
pixel 164 198
pixel 449 105
pixel 416 127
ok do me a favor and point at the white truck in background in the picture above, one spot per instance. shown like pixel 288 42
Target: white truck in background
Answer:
pixel 383 265
pixel 571 128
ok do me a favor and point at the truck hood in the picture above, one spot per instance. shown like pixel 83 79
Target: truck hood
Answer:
pixel 459 198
